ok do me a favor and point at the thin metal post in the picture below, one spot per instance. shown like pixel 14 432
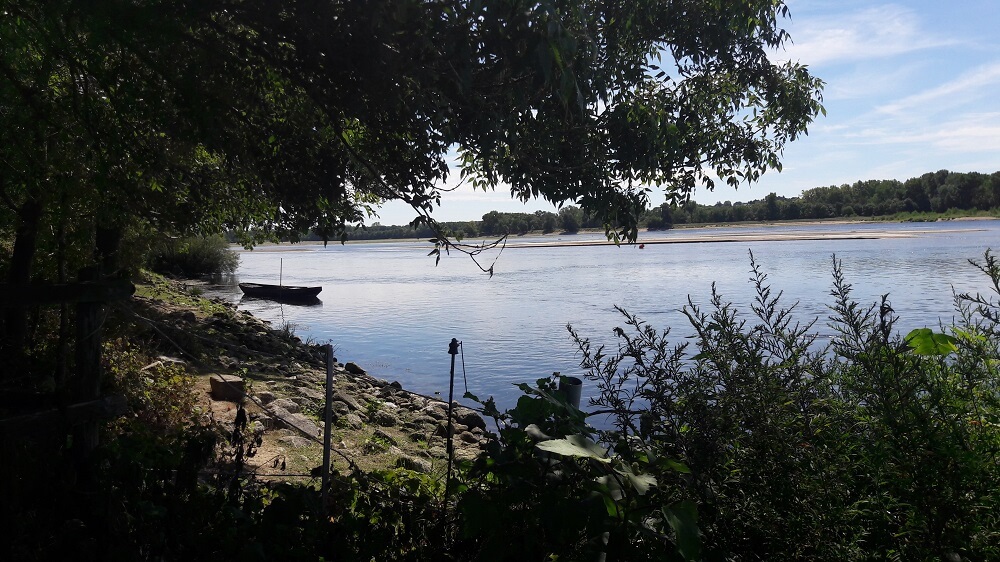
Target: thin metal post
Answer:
pixel 281 271
pixel 329 422
pixel 453 351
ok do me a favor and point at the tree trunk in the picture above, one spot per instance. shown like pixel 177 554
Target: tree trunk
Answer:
pixel 16 318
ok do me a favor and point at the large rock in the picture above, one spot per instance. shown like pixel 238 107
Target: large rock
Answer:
pixel 442 429
pixel 414 464
pixel 287 404
pixel 305 424
pixel 346 399
pixel 469 418
pixel 265 397
pixel 227 387
pixel 354 369
pixel 385 418
pixel 354 421
pixel 311 393
pixel 436 410
pixel 383 435
pixel 295 441
pixel 294 421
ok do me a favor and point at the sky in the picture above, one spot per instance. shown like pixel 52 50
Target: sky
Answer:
pixel 911 87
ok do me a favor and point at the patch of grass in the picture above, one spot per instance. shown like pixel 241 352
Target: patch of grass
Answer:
pixel 155 286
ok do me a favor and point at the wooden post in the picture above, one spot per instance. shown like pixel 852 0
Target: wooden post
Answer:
pixel 87 378
pixel 329 422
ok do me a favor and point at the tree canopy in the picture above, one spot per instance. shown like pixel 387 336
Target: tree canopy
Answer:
pixel 279 117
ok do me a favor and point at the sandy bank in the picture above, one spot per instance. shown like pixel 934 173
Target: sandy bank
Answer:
pixel 707 235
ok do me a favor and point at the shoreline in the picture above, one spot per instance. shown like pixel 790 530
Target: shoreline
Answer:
pixel 693 234
pixel 377 423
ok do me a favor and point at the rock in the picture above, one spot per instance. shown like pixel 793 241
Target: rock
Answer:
pixel 294 441
pixel 278 412
pixel 340 408
pixel 468 437
pixel 189 317
pixel 226 387
pixel 425 419
pixel 436 410
pixel 396 385
pixel 306 425
pixel 442 429
pixel 386 391
pixel 266 421
pixel 265 397
pixel 385 418
pixel 412 463
pixel 346 399
pixel 354 421
pixel 385 436
pixel 469 418
pixel 287 404
pixel 293 421
pixel 354 369
pixel 311 393
pixel 303 401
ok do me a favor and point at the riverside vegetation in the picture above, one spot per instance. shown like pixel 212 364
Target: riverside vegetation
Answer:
pixel 120 120
pixel 751 442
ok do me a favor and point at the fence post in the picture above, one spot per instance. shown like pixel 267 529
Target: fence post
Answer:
pixel 329 421
pixel 87 383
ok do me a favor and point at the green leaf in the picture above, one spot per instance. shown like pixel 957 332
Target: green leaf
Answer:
pixel 575 446
pixel 641 482
pixel 923 341
pixel 683 519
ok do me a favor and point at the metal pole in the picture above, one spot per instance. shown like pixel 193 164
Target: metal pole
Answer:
pixel 453 351
pixel 281 271
pixel 329 422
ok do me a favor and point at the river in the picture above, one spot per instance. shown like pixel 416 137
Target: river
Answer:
pixel 387 307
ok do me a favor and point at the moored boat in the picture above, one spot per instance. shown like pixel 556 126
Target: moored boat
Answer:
pixel 285 293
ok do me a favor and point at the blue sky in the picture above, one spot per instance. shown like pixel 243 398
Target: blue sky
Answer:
pixel 911 87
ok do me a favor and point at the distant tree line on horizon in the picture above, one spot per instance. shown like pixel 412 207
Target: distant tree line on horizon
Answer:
pixel 933 192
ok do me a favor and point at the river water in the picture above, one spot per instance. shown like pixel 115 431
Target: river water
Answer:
pixel 387 307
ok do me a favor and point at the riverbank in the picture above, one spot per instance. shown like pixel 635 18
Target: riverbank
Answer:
pixel 377 423
pixel 691 234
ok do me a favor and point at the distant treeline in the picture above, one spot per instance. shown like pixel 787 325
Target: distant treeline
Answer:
pixel 494 223
pixel 936 192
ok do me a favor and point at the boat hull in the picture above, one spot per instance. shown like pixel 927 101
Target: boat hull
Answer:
pixel 283 293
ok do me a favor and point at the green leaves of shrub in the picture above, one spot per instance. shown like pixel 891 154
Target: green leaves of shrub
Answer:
pixel 575 446
pixel 924 341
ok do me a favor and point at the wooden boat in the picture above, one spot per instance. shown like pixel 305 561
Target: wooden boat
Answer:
pixel 284 293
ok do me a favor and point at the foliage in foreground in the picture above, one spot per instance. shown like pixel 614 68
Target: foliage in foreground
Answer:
pixel 751 442
pixel 873 447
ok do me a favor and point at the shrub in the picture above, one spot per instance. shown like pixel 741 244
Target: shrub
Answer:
pixel 193 256
pixel 873 447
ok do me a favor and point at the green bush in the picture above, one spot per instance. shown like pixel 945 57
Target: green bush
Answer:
pixel 193 256
pixel 873 447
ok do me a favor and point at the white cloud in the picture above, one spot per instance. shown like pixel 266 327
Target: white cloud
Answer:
pixel 876 32
pixel 972 85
